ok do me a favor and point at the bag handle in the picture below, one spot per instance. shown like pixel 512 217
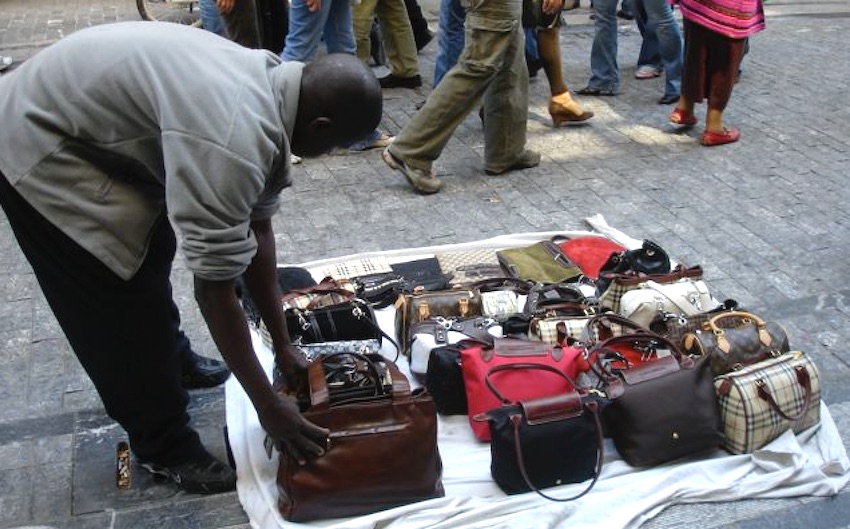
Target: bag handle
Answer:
pixel 805 382
pixel 713 326
pixel 680 272
pixel 320 395
pixel 501 283
pixel 518 366
pixel 610 317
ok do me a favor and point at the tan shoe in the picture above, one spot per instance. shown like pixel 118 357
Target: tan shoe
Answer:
pixel 564 109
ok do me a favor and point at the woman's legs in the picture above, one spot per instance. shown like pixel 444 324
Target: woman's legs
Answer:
pixel 562 106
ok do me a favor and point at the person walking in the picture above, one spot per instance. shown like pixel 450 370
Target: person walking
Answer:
pixel 716 36
pixel 100 165
pixel 491 67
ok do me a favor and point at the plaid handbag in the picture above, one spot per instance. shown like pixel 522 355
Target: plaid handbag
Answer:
pixel 761 401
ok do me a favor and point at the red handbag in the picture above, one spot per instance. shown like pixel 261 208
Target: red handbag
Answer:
pixel 516 385
pixel 589 252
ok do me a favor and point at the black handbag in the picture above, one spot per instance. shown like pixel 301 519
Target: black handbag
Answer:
pixel 649 259
pixel 545 442
pixel 445 379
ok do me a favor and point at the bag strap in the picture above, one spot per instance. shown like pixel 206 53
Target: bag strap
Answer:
pixel 680 272
pixel 805 382
pixel 722 343
pixel 320 395
pixel 516 421
pixel 519 366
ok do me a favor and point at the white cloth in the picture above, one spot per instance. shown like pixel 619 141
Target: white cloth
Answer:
pixel 813 463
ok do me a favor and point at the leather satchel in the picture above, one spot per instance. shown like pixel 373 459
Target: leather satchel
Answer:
pixel 659 410
pixel 760 402
pixel 418 307
pixel 653 300
pixel 736 339
pixel 545 442
pixel 477 361
pixel 382 451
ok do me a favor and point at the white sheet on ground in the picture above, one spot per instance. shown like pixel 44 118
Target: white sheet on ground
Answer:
pixel 812 463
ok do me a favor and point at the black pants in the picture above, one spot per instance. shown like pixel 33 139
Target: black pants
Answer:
pixel 125 333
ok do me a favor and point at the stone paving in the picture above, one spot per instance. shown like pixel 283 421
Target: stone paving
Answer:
pixel 767 218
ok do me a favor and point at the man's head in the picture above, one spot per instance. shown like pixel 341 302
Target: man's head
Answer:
pixel 340 103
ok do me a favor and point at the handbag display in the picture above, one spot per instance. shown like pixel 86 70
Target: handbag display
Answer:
pixel 477 361
pixel 735 339
pixel 761 401
pixel 439 331
pixel 382 451
pixel 418 307
pixel 655 300
pixel 589 252
pixel 542 262
pixel 615 285
pixel 659 410
pixel 545 442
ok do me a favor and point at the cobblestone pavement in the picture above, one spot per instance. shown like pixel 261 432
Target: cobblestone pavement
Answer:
pixel 767 218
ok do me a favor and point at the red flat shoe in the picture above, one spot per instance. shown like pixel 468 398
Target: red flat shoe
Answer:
pixel 710 139
pixel 682 118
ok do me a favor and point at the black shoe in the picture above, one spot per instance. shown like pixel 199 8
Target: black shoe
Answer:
pixel 396 81
pixel 596 92
pixel 423 39
pixel 669 99
pixel 203 372
pixel 203 475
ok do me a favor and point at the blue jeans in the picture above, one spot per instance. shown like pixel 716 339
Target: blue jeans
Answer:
pixel 306 30
pixel 450 37
pixel 211 18
pixel 604 72
pixel 649 55
pixel 660 21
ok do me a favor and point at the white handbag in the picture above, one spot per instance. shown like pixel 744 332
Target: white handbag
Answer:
pixel 439 331
pixel 652 300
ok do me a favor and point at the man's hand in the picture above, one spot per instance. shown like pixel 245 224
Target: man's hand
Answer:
pixel 225 6
pixel 550 7
pixel 284 423
pixel 313 5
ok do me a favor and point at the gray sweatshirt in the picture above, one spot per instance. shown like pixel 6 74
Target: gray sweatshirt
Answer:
pixel 114 125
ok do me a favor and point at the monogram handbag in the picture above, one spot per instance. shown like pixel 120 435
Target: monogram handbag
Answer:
pixel 382 450
pixel 735 339
pixel 542 262
pixel 763 400
pixel 544 442
pixel 675 326
pixel 418 307
pixel 518 385
pixel 659 410
pixel 655 300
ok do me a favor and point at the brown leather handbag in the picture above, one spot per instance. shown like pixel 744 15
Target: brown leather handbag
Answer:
pixel 736 339
pixel 382 451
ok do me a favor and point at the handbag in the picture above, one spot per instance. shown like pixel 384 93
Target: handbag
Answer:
pixel 615 285
pixel 380 290
pixel 674 327
pixel 439 331
pixel 589 252
pixel 735 339
pixel 476 361
pixel 502 297
pixel 349 326
pixel 417 307
pixel 533 15
pixel 761 401
pixel 382 451
pixel 653 300
pixel 542 262
pixel 422 274
pixel 464 267
pixel 659 410
pixel 446 381
pixel 541 443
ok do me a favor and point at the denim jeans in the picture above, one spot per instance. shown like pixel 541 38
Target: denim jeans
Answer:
pixel 604 72
pixel 306 30
pixel 211 18
pixel 492 67
pixel 450 37
pixel 649 54
pixel 660 20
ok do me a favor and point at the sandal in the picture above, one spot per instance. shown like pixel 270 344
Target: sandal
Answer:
pixel 682 118
pixel 710 139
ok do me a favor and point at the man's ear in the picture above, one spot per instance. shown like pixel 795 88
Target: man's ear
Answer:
pixel 319 126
